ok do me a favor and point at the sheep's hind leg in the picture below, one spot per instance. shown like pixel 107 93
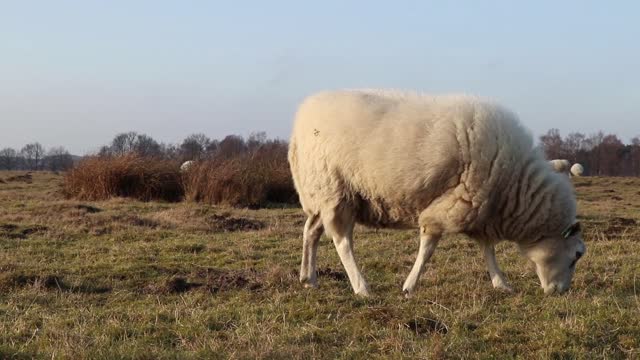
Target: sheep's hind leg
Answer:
pixel 428 244
pixel 497 276
pixel 310 239
pixel 339 224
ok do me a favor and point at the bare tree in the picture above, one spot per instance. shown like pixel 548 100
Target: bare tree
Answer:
pixel 146 146
pixel 572 145
pixel 59 159
pixel 8 159
pixel 33 154
pixel 231 145
pixel 552 144
pixel 194 146
pixel 124 143
pixel 635 156
pixel 256 139
pixel 610 152
pixel 593 144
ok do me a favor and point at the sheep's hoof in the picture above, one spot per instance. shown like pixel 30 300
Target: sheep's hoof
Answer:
pixel 503 287
pixel 309 283
pixel 363 293
pixel 407 293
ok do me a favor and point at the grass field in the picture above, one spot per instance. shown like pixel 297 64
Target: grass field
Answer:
pixel 127 279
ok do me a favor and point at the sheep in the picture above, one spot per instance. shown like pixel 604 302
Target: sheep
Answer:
pixel 186 166
pixel 443 164
pixel 577 170
pixel 561 166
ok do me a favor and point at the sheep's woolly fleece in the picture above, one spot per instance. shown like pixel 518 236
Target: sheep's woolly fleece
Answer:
pixel 560 165
pixel 577 170
pixel 445 163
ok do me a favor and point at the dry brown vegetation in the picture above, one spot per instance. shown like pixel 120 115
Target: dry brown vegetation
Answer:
pixel 104 177
pixel 252 179
pixel 123 278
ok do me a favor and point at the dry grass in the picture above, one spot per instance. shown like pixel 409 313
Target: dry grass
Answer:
pixel 101 178
pixel 129 279
pixel 252 179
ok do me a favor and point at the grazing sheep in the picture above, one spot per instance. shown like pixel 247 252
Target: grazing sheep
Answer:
pixel 186 166
pixel 446 164
pixel 561 166
pixel 577 170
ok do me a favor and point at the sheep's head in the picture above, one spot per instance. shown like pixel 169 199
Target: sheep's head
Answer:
pixel 556 258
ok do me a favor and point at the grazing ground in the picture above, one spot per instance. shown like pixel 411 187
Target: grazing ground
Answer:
pixel 127 279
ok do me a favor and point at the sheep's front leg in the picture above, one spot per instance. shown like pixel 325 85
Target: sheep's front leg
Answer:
pixel 340 227
pixel 428 243
pixel 497 277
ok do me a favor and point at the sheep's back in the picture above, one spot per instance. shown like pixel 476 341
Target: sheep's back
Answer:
pixel 392 154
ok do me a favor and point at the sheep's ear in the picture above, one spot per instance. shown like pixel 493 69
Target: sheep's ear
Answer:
pixel 571 230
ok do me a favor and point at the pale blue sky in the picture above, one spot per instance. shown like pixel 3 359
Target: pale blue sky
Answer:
pixel 75 73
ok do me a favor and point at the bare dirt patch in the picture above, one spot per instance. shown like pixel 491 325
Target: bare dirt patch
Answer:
pixel 620 225
pixel 332 274
pixel 13 231
pixel 230 224
pixel 583 184
pixel 218 280
pixel 204 219
pixel 210 280
pixel 8 227
pixel 175 285
pixel 26 178
pixel 426 326
pixel 87 208
pixel 34 229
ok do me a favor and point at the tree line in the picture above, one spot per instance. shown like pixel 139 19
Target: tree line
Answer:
pixel 194 147
pixel 35 157
pixel 601 154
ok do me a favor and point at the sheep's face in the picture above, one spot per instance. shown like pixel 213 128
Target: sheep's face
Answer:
pixel 556 258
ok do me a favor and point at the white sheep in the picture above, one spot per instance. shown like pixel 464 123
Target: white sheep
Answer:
pixel 447 164
pixel 186 166
pixel 561 166
pixel 577 170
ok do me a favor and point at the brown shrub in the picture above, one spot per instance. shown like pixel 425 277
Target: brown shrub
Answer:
pixel 104 177
pixel 252 179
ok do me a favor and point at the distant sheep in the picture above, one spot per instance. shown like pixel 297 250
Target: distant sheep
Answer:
pixel 186 166
pixel 446 164
pixel 561 166
pixel 577 170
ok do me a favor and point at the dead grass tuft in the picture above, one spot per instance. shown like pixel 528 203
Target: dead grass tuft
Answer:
pixel 12 231
pixel 145 179
pixel 247 180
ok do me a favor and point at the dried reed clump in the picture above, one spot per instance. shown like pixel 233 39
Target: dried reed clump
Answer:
pixel 252 179
pixel 104 177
